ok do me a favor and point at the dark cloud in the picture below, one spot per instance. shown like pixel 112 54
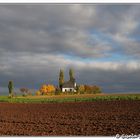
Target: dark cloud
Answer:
pixel 37 40
pixel 49 29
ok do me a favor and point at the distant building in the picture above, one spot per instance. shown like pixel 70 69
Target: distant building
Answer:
pixel 69 86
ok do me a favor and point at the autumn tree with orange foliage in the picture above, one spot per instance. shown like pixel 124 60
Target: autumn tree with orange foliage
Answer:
pixel 47 89
pixel 93 89
pixel 81 89
pixel 38 93
pixel 43 89
pixel 50 88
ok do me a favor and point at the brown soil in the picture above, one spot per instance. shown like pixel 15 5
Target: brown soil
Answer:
pixel 100 118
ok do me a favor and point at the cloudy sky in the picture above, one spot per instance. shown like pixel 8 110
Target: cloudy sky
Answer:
pixel 100 42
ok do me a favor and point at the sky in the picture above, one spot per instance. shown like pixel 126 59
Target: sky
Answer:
pixel 100 42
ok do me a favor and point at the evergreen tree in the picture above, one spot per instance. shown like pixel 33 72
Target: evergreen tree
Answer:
pixel 71 74
pixel 61 79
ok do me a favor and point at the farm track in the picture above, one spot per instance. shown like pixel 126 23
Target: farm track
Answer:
pixel 99 118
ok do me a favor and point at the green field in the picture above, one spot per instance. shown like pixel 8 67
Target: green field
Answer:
pixel 69 98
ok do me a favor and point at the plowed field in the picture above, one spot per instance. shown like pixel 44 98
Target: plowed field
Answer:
pixel 99 118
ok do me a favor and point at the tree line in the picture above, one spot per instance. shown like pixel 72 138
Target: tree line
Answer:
pixel 50 89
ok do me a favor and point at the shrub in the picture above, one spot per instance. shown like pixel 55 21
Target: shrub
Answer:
pixel 24 94
pixel 10 96
pixel 57 91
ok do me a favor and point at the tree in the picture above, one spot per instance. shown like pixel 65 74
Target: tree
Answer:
pixel 92 89
pixel 57 91
pixel 43 89
pixel 61 79
pixel 71 74
pixel 88 88
pixel 11 88
pixel 81 89
pixel 50 89
pixel 38 93
pixel 96 89
pixel 25 91
pixel 46 89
